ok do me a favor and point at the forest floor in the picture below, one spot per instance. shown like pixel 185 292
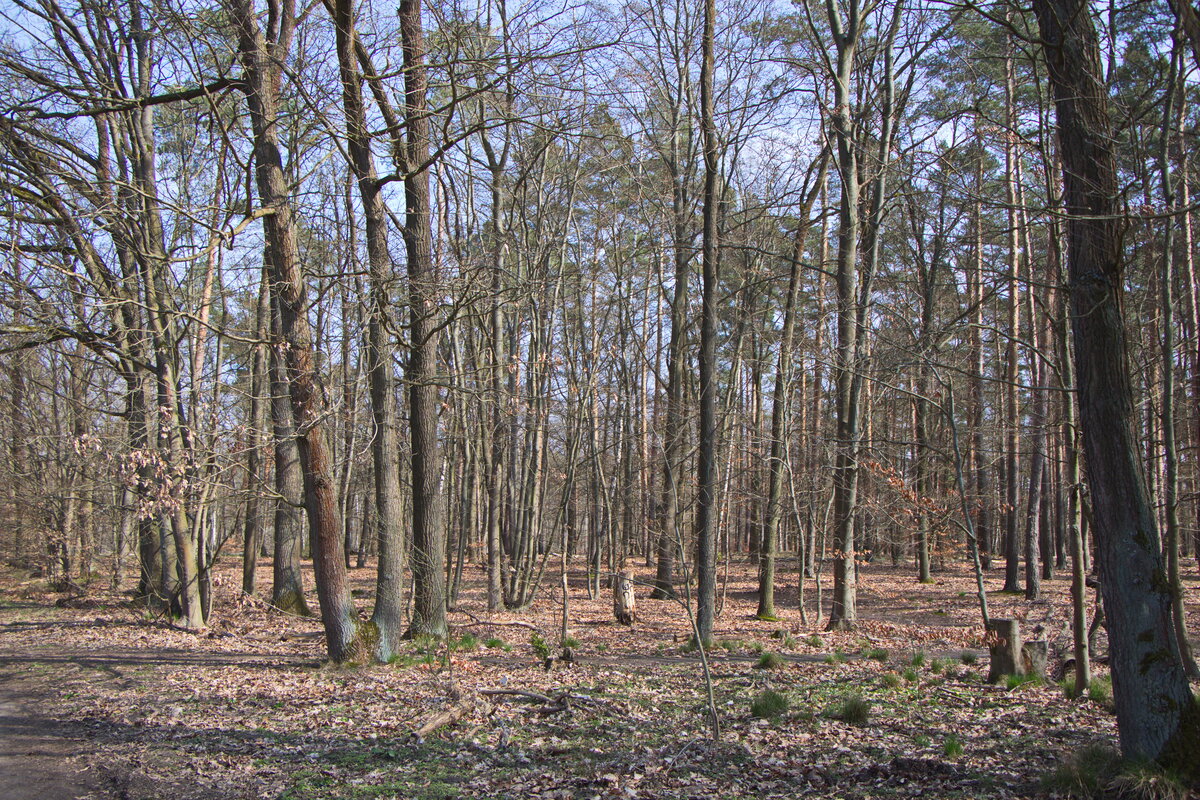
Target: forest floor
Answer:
pixel 99 701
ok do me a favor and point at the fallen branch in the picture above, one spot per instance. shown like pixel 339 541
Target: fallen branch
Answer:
pixel 464 703
pixel 477 622
pixel 559 702
pixel 539 698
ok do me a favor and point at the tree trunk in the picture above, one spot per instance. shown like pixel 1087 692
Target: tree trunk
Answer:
pixel 428 534
pixel 287 584
pixel 385 447
pixel 263 60
pixel 1157 717
pixel 1170 492
pixel 260 382
pixel 706 500
pixel 779 409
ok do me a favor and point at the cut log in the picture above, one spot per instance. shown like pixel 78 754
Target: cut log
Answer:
pixel 624 601
pixel 1004 645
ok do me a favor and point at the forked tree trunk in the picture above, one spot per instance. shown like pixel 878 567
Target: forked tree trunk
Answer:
pixel 779 411
pixel 263 60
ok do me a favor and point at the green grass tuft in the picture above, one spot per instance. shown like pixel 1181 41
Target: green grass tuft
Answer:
pixel 1017 681
pixel 890 679
pixel 910 675
pixel 952 747
pixel 769 704
pixel 1100 691
pixel 854 710
pixel 918 658
pixel 968 658
pixel 770 660
pixel 879 654
pixel 1082 774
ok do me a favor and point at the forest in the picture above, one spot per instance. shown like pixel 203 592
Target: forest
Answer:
pixel 612 398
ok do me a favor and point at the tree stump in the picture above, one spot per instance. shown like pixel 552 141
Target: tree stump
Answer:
pixel 624 602
pixel 1004 646
pixel 1034 656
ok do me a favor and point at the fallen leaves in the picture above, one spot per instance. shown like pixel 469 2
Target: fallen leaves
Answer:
pixel 252 708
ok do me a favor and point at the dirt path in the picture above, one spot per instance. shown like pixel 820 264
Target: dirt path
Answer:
pixel 41 758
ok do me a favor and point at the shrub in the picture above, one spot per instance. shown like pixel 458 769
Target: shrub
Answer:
pixel 570 641
pixel 769 704
pixel 539 645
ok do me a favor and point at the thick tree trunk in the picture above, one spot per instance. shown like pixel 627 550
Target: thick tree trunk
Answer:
pixel 262 60
pixel 287 579
pixel 1157 717
pixel 428 534
pixel 385 447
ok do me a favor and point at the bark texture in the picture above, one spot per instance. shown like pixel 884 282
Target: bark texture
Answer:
pixel 1156 713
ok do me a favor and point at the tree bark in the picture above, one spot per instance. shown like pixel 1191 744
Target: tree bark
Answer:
pixel 385 447
pixel 1157 717
pixel 287 579
pixel 428 534
pixel 706 500
pixel 263 62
